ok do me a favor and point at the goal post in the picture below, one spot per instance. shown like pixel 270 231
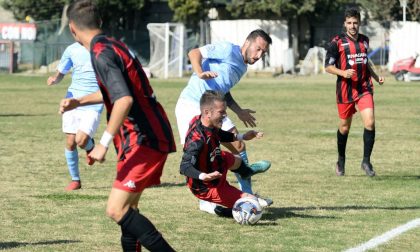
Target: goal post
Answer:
pixel 166 49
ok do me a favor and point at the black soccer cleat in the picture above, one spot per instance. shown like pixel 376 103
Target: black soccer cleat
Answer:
pixel 223 212
pixel 368 168
pixel 339 169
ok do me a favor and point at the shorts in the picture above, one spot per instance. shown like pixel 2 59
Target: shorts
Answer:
pixel 224 194
pixel 141 168
pixel 186 110
pixel 346 110
pixel 86 121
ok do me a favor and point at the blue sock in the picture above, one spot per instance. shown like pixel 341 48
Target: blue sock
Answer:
pixel 89 145
pixel 244 184
pixel 72 163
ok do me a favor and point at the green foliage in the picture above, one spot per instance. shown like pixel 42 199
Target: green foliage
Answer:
pixel 190 12
pixel 37 9
pixel 376 10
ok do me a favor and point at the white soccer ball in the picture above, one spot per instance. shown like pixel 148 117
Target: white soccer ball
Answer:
pixel 247 211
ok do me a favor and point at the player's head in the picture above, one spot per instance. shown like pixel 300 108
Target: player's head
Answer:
pixel 352 22
pixel 83 15
pixel 213 108
pixel 256 45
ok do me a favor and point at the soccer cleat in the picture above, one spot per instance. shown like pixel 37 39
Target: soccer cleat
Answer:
pixel 223 212
pixel 207 206
pixel 368 168
pixel 74 185
pixel 339 169
pixel 260 166
pixel 264 202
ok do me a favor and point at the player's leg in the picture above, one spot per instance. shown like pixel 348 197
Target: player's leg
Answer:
pixel 185 111
pixel 345 113
pixel 366 107
pixel 88 124
pixel 70 151
pixel 141 168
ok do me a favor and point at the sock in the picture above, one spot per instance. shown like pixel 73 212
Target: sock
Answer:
pixel 137 225
pixel 341 146
pixel 368 140
pixel 244 170
pixel 129 243
pixel 223 212
pixel 72 158
pixel 244 184
pixel 89 145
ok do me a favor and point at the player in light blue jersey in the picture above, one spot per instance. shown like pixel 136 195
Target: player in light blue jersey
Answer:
pixel 219 67
pixel 79 124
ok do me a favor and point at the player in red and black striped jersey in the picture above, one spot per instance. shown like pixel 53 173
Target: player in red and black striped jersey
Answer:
pixel 137 124
pixel 347 58
pixel 205 164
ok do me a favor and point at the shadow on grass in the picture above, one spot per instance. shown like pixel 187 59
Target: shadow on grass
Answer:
pixel 70 196
pixel 166 184
pixel 350 207
pixel 19 114
pixel 274 213
pixel 11 245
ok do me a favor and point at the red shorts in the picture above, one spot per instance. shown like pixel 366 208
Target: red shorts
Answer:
pixel 141 168
pixel 346 110
pixel 224 194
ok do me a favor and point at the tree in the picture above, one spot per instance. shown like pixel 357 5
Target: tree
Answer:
pixel 189 12
pixel 37 9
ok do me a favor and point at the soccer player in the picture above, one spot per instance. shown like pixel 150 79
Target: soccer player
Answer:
pixel 137 124
pixel 205 164
pixel 347 58
pixel 79 124
pixel 219 67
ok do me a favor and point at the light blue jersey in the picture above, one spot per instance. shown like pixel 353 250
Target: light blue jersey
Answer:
pixel 83 77
pixel 223 58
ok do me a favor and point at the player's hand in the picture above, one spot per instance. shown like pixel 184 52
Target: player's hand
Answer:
pixel 207 75
pixel 245 115
pixel 381 80
pixel 348 73
pixel 253 134
pixel 51 80
pixel 68 104
pixel 212 176
pixel 98 153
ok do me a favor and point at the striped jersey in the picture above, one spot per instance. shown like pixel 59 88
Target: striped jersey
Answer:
pixel 120 74
pixel 345 53
pixel 202 153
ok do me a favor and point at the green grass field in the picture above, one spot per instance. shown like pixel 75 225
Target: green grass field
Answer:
pixel 313 209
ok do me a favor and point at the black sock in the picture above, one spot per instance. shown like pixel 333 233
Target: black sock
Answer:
pixel 223 211
pixel 368 140
pixel 341 146
pixel 129 242
pixel 140 227
pixel 244 170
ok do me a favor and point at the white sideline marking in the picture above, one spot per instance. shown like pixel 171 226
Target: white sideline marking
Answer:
pixel 386 236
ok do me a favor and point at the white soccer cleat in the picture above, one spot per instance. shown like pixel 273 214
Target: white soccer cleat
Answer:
pixel 265 202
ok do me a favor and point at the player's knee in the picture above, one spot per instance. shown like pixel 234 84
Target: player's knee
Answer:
pixel 81 141
pixel 344 129
pixel 70 145
pixel 114 213
pixel 239 146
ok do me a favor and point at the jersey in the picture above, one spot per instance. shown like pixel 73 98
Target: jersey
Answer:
pixel 345 53
pixel 224 58
pixel 120 74
pixel 83 80
pixel 202 153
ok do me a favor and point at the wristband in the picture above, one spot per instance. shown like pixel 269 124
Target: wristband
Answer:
pixel 240 137
pixel 201 176
pixel 106 139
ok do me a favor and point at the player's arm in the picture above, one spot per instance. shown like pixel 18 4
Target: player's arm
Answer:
pixel 196 58
pixel 55 79
pixel 379 79
pixel 331 59
pixel 190 160
pixel 245 115
pixel 72 103
pixel 227 137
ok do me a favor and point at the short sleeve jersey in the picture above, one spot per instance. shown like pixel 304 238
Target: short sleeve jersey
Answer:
pixel 202 151
pixel 224 58
pixel 120 74
pixel 346 53
pixel 83 80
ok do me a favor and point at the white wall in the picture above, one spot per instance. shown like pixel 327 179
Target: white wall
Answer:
pixel 236 31
pixel 404 41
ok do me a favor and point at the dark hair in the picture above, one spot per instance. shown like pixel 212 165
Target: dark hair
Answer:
pixel 84 14
pixel 259 33
pixel 352 12
pixel 209 97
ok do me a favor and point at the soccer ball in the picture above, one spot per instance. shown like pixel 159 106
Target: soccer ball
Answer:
pixel 247 211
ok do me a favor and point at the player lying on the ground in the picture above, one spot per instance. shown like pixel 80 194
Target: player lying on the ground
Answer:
pixel 206 165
